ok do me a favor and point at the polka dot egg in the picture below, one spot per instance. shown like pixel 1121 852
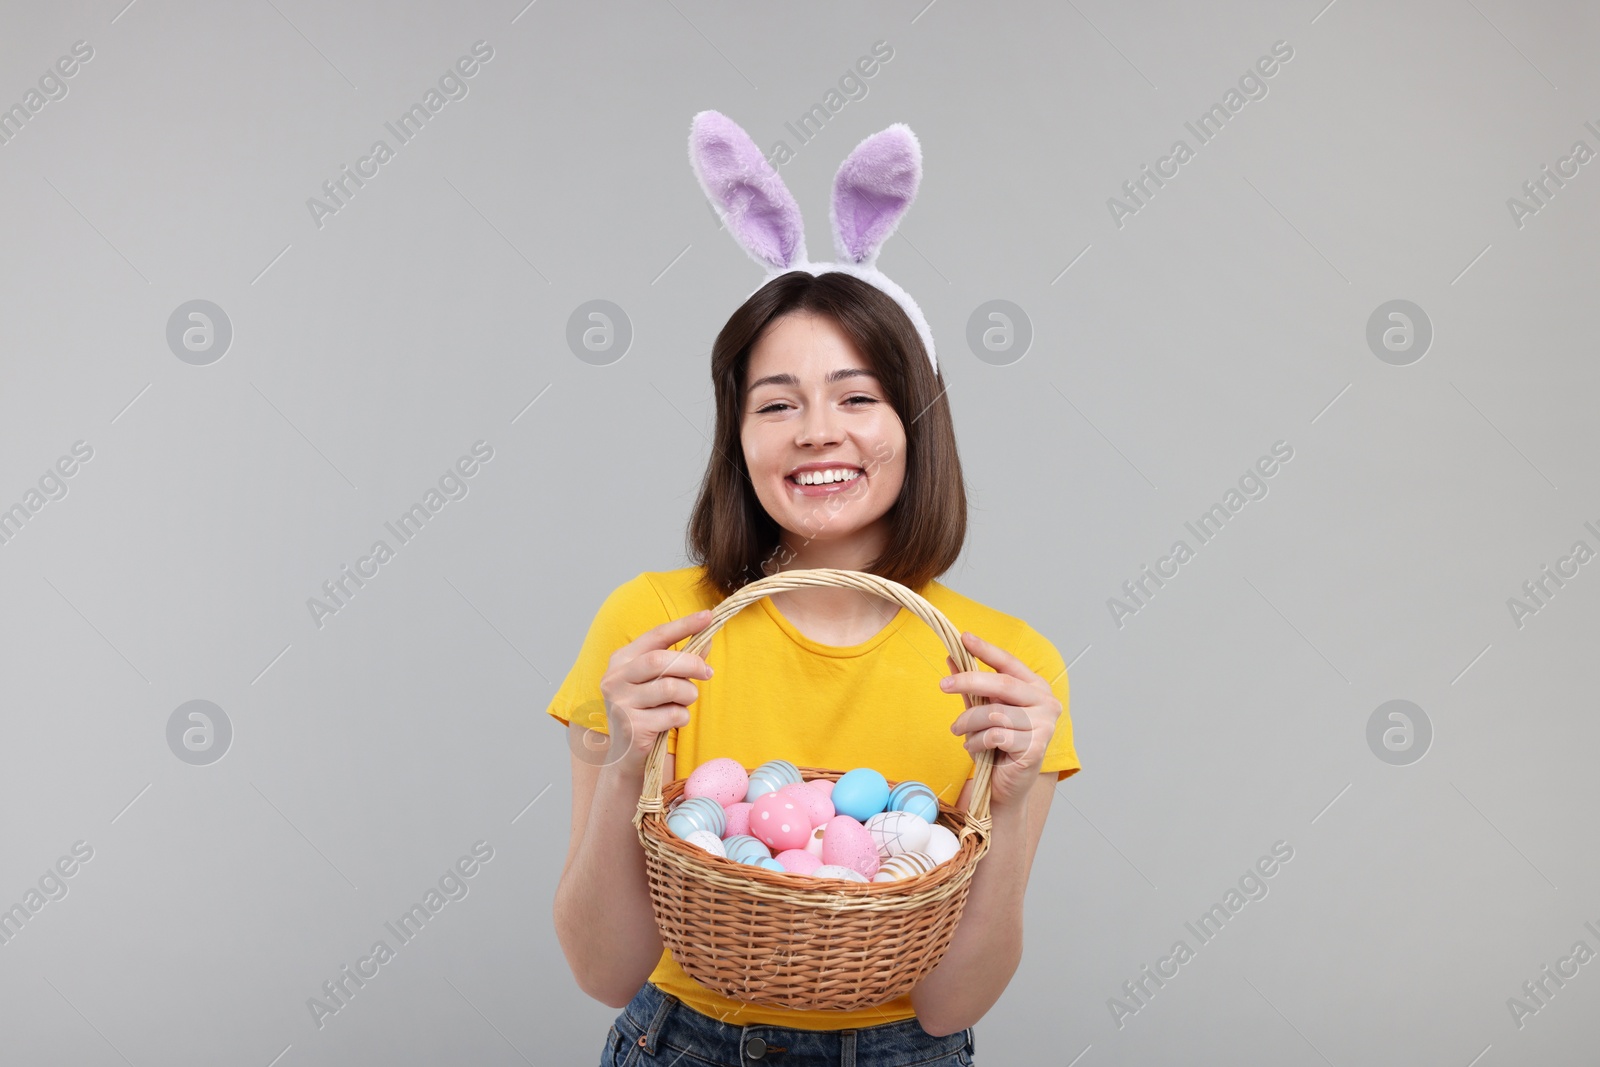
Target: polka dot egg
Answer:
pixel 723 780
pixel 780 821
pixel 818 807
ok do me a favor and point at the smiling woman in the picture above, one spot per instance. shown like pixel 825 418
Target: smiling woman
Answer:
pixel 834 447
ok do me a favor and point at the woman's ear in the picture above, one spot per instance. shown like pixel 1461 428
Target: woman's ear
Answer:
pixel 747 192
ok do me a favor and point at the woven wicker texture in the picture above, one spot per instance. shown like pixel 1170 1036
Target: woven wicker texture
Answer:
pixel 793 941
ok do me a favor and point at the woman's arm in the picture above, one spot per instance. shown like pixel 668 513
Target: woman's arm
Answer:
pixel 602 907
pixel 987 946
pixel 1017 720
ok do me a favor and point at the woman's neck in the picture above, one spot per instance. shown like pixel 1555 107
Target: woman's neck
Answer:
pixel 828 614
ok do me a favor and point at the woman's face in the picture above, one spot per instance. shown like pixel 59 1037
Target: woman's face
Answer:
pixel 813 404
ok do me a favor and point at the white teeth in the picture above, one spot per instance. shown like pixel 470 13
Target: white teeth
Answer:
pixel 824 477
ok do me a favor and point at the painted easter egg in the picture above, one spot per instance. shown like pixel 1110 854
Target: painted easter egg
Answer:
pixel 709 841
pixel 898 831
pixel 798 861
pixel 822 785
pixel 942 843
pixel 770 864
pixel 846 843
pixel 779 821
pixel 697 813
pixel 860 793
pixel 745 849
pixel 814 842
pixel 723 780
pixel 904 865
pixel 817 806
pixel 738 816
pixel 849 874
pixel 770 777
pixel 916 798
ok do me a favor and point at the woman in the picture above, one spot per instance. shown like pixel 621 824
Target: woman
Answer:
pixel 813 373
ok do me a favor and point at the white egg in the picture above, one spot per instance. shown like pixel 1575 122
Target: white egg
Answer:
pixel 709 841
pixel 942 843
pixel 895 832
pixel 829 870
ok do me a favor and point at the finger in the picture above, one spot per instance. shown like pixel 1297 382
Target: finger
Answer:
pixel 997 657
pixel 1001 739
pixel 986 716
pixel 666 663
pixel 1000 688
pixel 667 634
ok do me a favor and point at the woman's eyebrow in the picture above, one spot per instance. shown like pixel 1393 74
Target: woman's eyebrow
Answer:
pixel 833 376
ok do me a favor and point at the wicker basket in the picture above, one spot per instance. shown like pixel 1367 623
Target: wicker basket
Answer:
pixel 793 941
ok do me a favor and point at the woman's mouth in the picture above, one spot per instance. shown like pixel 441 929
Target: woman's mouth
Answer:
pixel 825 482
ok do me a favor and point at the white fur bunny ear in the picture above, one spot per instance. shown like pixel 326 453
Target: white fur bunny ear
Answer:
pixel 872 190
pixel 747 192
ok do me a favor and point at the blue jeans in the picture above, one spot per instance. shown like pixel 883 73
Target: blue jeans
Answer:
pixel 657 1029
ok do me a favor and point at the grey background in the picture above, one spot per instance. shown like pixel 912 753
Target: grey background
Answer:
pixel 430 313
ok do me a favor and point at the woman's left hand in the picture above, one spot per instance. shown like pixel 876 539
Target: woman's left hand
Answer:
pixel 1018 721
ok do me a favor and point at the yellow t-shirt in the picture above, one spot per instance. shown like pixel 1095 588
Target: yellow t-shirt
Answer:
pixel 777 694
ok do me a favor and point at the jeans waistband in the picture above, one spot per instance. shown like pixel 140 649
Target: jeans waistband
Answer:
pixel 661 1020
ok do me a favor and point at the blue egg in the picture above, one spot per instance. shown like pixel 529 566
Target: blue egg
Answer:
pixel 772 865
pixel 916 798
pixel 697 813
pixel 742 848
pixel 860 793
pixel 770 777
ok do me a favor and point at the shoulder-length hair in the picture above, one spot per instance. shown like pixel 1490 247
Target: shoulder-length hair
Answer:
pixel 732 535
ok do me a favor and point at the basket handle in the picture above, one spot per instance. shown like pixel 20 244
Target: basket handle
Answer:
pixel 743 597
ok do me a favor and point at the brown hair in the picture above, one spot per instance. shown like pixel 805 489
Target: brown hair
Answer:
pixel 732 535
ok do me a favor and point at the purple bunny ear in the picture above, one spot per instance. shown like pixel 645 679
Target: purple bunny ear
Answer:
pixel 874 187
pixel 746 191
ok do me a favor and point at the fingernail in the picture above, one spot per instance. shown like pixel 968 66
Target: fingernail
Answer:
pixel 946 683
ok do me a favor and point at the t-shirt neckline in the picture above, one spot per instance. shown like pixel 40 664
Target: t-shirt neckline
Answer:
pixel 835 651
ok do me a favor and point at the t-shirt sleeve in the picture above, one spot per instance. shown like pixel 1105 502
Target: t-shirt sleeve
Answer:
pixel 632 608
pixel 1041 657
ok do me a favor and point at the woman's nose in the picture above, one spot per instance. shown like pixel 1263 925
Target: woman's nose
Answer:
pixel 819 426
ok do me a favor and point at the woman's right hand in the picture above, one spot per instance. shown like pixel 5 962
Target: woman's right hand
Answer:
pixel 647 689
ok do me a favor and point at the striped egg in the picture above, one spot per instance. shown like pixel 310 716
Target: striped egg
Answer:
pixel 770 777
pixel 745 849
pixel 849 874
pixel 904 865
pixel 697 813
pixel 916 798
pixel 895 832
pixel 709 841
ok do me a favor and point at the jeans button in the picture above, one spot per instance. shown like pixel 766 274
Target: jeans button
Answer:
pixel 755 1048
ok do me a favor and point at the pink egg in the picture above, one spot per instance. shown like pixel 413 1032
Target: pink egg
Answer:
pixel 738 818
pixel 846 843
pixel 798 860
pixel 823 786
pixel 723 780
pixel 819 807
pixel 780 822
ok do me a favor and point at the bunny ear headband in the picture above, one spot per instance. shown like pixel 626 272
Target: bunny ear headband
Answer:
pixel 872 190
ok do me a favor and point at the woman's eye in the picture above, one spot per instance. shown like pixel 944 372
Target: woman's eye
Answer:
pixel 866 399
pixel 777 405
